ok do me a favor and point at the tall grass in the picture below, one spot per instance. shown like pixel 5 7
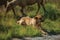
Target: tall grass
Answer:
pixel 52 27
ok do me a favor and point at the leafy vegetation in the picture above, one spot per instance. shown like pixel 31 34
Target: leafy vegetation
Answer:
pixel 9 28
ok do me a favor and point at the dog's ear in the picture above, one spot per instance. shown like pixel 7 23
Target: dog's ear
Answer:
pixel 36 18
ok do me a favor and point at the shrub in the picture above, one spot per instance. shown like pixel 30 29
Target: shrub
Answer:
pixel 52 11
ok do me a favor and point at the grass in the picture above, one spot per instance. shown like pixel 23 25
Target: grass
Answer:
pixel 9 28
pixel 52 27
pixel 24 31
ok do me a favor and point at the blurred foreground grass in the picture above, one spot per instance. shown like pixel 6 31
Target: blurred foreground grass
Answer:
pixel 9 28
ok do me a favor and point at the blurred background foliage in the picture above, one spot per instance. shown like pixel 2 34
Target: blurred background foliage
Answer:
pixel 9 28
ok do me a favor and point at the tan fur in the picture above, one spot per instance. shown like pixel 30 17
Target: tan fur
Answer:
pixel 31 21
pixel 35 22
pixel 27 20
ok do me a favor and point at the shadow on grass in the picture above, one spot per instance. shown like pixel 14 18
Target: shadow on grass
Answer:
pixel 52 32
pixel 3 28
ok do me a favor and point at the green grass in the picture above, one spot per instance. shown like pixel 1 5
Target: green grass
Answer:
pixel 9 28
pixel 24 31
pixel 52 26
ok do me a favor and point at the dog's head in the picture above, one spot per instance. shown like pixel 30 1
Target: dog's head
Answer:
pixel 39 18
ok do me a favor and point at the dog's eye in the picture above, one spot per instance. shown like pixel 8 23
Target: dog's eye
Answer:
pixel 40 18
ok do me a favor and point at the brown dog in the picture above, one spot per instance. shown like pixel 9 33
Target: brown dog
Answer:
pixel 36 21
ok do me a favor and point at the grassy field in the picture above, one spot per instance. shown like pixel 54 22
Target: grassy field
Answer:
pixel 9 28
